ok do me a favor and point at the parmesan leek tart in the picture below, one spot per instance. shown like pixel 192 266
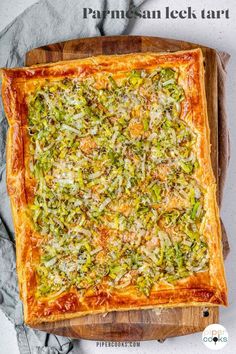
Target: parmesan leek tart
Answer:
pixel 111 185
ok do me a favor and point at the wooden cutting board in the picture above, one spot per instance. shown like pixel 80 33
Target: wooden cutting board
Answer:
pixel 142 324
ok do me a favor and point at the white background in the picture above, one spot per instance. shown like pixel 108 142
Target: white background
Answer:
pixel 219 34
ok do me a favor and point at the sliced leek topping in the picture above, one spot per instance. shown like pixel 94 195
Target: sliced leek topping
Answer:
pixel 116 198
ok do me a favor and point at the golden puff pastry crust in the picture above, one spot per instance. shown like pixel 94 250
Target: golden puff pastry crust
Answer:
pixel 205 288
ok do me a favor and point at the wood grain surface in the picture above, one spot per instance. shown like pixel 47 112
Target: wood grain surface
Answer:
pixel 142 324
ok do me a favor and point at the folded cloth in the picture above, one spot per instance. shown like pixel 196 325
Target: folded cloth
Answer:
pixel 46 22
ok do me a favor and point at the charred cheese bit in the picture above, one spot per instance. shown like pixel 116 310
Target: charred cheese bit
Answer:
pixel 136 129
pixel 87 145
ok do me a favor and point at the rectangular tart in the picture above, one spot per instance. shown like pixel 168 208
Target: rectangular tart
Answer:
pixel 111 185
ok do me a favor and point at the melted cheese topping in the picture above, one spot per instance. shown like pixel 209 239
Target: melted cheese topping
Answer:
pixel 116 198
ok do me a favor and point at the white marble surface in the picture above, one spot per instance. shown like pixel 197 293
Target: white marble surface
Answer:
pixel 215 33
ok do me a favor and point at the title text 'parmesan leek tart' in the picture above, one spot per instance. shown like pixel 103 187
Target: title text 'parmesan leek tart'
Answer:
pixel 111 185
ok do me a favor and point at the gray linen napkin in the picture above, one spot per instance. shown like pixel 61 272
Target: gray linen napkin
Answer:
pixel 45 22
